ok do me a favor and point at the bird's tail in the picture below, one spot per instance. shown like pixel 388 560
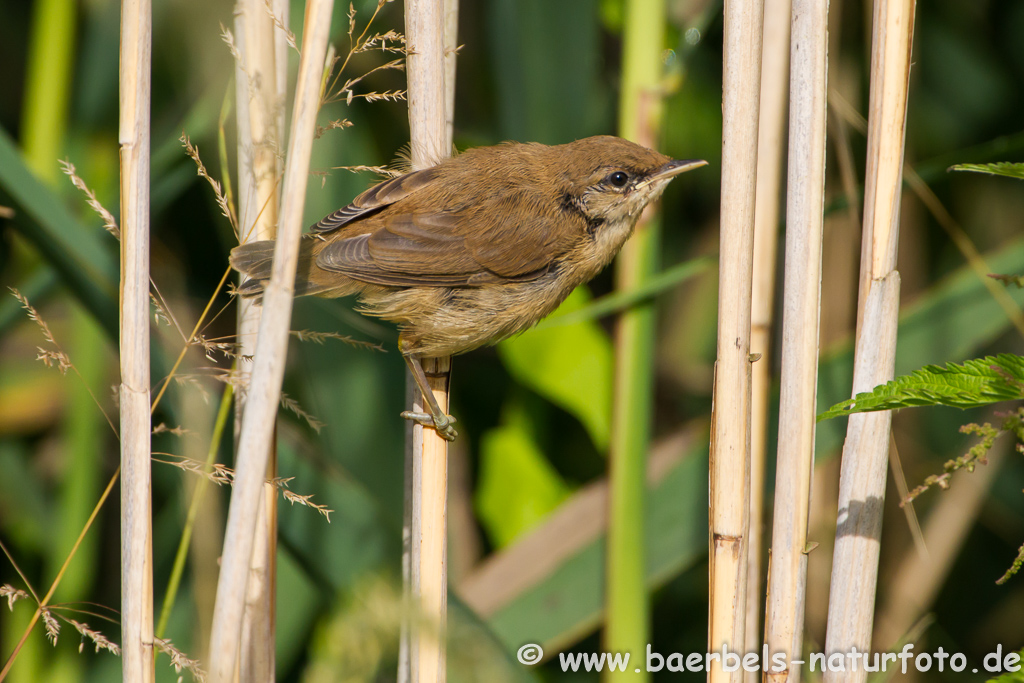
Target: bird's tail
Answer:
pixel 255 260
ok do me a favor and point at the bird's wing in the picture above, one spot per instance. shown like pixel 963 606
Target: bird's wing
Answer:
pixel 376 198
pixel 477 245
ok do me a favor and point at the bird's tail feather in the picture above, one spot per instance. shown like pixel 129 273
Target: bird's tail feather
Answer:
pixel 255 260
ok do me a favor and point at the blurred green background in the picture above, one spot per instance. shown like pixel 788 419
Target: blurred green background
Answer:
pixel 526 525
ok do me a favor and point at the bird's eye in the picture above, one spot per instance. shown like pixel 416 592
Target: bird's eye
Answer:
pixel 618 179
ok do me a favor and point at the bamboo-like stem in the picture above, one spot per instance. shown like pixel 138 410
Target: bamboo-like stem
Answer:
pixel 451 46
pixel 787 579
pixel 423 659
pixel 640 113
pixel 865 453
pixel 136 486
pixel 730 420
pixel 260 92
pixel 271 346
pixel 770 137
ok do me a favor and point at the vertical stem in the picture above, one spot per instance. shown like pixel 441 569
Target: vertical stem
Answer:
pixel 136 495
pixel 424 657
pixel 865 453
pixel 787 579
pixel 260 92
pixel 268 364
pixel 730 420
pixel 771 135
pixel 640 110
pixel 47 84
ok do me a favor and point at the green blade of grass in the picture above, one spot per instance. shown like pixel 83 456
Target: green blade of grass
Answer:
pixel 87 266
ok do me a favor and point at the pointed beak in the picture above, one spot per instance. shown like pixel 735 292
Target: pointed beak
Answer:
pixel 675 167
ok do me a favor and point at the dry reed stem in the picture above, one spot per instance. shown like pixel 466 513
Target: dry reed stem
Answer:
pixel 451 53
pixel 423 659
pixel 136 493
pixel 865 453
pixel 771 134
pixel 787 579
pixel 730 428
pixel 268 364
pixel 264 38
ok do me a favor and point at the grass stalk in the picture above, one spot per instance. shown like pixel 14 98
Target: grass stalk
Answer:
pixel 48 85
pixel 43 133
pixel 75 252
pixel 787 580
pixel 770 139
pixel 429 32
pixel 729 514
pixel 257 431
pixel 865 453
pixel 136 486
pixel 178 568
pixel 640 112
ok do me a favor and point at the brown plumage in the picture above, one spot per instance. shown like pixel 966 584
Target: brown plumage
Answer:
pixel 479 247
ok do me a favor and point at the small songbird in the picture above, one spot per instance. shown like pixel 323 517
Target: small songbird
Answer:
pixel 477 248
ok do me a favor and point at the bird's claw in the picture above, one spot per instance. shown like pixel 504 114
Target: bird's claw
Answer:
pixel 442 424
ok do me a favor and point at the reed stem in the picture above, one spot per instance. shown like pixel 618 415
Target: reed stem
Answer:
pixel 137 656
pixel 729 514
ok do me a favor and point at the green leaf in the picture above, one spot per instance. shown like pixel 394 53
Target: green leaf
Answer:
pixel 518 486
pixel 1004 168
pixel 568 603
pixel 570 365
pixel 1014 676
pixel 976 383
pixel 618 301
pixel 954 320
pixel 82 256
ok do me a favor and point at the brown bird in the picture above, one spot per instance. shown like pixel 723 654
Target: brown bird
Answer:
pixel 477 248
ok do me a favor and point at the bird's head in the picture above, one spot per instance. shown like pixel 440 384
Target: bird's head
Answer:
pixel 612 180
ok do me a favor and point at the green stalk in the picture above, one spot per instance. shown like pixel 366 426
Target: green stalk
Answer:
pixel 627 616
pixel 48 85
pixel 44 123
pixel 193 511
pixel 622 300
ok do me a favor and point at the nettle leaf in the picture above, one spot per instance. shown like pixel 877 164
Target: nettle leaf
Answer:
pixel 976 383
pixel 1005 168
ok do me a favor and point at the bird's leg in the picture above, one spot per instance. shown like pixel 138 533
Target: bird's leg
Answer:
pixel 436 417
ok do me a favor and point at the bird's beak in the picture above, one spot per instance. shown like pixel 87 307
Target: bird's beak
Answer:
pixel 675 167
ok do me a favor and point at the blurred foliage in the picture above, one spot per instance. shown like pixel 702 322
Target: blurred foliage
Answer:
pixel 534 413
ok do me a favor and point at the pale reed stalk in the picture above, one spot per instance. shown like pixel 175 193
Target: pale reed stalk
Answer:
pixel 268 364
pixel 729 516
pixel 422 658
pixel 865 453
pixel 787 577
pixel 136 489
pixel 770 138
pixel 260 94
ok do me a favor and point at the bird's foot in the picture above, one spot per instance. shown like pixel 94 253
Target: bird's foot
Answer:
pixel 441 423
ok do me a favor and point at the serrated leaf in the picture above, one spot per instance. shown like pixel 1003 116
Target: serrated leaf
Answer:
pixel 1004 168
pixel 570 365
pixel 977 382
